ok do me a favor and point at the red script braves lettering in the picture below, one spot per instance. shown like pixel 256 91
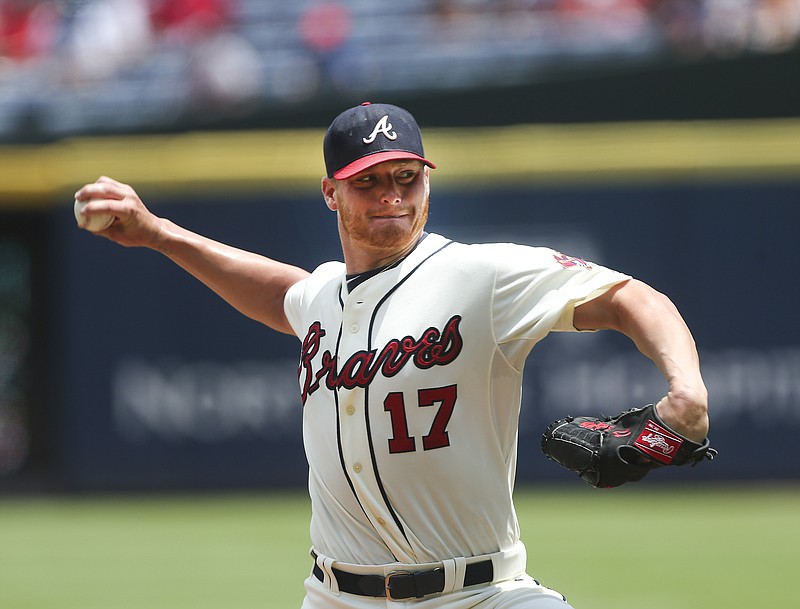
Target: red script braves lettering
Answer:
pixel 433 348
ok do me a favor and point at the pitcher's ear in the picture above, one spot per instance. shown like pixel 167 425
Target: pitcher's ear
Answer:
pixel 329 192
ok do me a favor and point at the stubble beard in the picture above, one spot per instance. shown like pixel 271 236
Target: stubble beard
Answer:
pixel 386 239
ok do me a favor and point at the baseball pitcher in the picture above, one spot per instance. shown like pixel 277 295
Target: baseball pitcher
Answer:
pixel 411 356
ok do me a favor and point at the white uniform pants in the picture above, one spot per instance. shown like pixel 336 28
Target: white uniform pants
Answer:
pixel 512 588
pixel 522 592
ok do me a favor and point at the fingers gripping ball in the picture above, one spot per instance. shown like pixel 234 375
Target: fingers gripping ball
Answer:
pixel 94 223
pixel 612 451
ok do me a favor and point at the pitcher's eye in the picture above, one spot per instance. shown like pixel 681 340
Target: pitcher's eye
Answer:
pixel 407 176
pixel 365 180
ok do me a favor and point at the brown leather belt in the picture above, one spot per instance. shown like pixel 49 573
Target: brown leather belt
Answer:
pixel 400 585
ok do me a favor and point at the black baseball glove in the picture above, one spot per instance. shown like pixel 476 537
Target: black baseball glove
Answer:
pixel 614 450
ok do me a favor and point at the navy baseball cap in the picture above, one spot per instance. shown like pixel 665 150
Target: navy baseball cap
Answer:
pixel 370 134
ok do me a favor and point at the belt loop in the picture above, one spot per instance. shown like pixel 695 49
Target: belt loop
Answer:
pixel 459 570
pixel 325 563
pixel 449 566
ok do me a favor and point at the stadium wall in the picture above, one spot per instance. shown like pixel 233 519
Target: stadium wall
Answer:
pixel 131 375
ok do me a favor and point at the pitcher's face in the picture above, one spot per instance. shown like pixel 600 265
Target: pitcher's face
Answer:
pixel 382 209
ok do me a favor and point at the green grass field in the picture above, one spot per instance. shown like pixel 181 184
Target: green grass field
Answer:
pixel 643 547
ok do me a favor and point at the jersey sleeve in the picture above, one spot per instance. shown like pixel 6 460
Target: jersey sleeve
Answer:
pixel 299 298
pixel 537 290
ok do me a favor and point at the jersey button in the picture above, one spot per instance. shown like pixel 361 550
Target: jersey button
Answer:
pixel 351 410
pixel 381 521
pixel 357 468
pixel 354 328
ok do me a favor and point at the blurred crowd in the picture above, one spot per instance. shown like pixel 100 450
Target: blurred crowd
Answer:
pixel 66 65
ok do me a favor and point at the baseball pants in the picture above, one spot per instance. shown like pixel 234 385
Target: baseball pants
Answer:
pixel 510 586
pixel 522 592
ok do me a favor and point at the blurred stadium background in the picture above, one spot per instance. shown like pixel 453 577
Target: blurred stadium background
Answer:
pixel 660 137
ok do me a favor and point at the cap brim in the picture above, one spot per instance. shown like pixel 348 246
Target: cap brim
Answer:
pixel 373 159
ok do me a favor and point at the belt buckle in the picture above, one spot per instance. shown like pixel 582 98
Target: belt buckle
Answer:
pixel 387 585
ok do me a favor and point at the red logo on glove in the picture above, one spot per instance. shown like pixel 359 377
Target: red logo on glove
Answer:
pixel 658 442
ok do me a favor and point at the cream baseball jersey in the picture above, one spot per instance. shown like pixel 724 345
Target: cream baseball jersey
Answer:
pixel 411 386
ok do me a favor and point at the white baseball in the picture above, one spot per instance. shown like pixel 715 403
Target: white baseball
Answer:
pixel 94 223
